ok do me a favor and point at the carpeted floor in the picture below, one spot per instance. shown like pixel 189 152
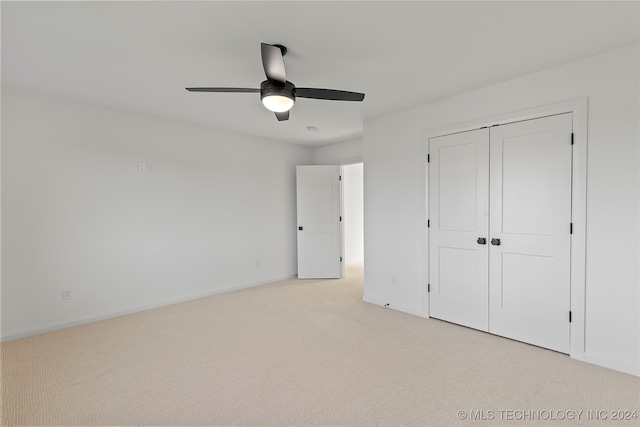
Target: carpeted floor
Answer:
pixel 298 352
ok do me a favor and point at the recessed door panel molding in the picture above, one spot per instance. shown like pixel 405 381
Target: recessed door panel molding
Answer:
pixel 528 285
pixel 457 173
pixel 528 173
pixel 459 207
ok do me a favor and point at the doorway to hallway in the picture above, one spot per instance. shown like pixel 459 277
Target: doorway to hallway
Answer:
pixel 353 216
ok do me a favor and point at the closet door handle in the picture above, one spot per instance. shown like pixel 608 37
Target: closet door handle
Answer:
pixel 482 241
pixel 495 242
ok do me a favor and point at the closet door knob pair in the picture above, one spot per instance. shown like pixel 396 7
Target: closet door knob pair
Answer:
pixel 483 241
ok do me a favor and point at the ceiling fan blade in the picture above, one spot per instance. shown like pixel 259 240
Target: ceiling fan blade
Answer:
pixel 282 116
pixel 331 94
pixel 222 89
pixel 273 63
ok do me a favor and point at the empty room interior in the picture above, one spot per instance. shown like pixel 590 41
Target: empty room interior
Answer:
pixel 320 212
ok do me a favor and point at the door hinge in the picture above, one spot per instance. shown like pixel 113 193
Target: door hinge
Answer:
pixel 428 223
pixel 572 138
pixel 340 218
pixel 569 316
pixel 339 177
pixel 570 228
pixel 428 158
pixel 340 259
pixel 428 287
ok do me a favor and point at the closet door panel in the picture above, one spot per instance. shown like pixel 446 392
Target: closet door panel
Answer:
pixel 458 213
pixel 530 197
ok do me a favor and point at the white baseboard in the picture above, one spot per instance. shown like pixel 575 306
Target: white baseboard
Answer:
pixel 373 299
pixel 54 326
pixel 609 362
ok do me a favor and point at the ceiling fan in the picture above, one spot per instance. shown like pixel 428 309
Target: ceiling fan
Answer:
pixel 278 94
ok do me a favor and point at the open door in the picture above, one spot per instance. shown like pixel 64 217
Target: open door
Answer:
pixel 319 238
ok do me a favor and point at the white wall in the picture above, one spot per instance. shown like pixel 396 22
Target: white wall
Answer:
pixel 78 214
pixel 341 153
pixel 395 192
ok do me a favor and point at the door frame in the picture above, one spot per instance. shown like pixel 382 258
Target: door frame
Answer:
pixel 579 109
pixel 345 162
pixel 343 229
pixel 341 163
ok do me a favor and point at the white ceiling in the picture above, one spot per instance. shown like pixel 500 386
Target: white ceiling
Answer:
pixel 139 56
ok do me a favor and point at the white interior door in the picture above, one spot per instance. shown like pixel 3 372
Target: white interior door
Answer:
pixel 459 217
pixel 318 204
pixel 529 255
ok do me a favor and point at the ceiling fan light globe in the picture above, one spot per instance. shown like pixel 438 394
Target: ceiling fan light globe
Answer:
pixel 277 103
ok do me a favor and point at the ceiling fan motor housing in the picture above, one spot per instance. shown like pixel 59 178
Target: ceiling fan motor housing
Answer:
pixel 271 88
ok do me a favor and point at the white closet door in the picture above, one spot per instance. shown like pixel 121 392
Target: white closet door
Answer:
pixel 529 266
pixel 458 213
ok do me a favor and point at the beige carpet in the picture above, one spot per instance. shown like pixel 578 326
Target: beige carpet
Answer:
pixel 298 352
